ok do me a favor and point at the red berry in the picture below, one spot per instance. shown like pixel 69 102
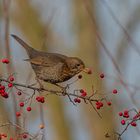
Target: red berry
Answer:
pixel 18 114
pixel 5 95
pixel 136 116
pixel 81 90
pixel 2 87
pixel 11 79
pixel 126 112
pixel 19 93
pixel 5 60
pixel 97 103
pixel 83 94
pixel 77 100
pixel 98 107
pixel 101 104
pixel 4 135
pixel 29 108
pixel 114 91
pixel 126 116
pixel 42 100
pixel 24 136
pixel 120 114
pixel 102 75
pixel 11 139
pixel 10 85
pixel 21 104
pixel 2 91
pixel 133 124
pixel 38 98
pixel 109 103
pixel 123 122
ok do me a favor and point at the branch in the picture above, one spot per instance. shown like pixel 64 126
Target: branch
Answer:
pixel 49 90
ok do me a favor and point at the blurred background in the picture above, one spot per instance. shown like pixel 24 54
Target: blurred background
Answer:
pixel 104 34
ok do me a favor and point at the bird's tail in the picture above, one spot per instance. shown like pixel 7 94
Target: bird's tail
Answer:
pixel 31 52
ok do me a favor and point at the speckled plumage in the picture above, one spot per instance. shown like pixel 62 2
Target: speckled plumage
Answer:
pixel 52 67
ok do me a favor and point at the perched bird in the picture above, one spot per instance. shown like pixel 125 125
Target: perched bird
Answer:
pixel 52 67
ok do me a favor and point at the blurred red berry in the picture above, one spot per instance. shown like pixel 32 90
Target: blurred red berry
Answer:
pixel 120 114
pixel 126 116
pixel 133 124
pixel 11 79
pixel 97 103
pixel 19 93
pixel 82 90
pixel 5 60
pixel 98 107
pixel 114 91
pixel 83 94
pixel 21 104
pixel 2 87
pixel 4 135
pixel 29 108
pixel 77 100
pixel 24 136
pixel 101 104
pixel 5 95
pixel 10 85
pixel 18 114
pixel 109 103
pixel 136 116
pixel 102 75
pixel 123 122
pixel 126 112
pixel 42 100
pixel 38 98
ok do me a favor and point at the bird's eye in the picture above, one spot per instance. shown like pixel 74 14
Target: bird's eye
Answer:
pixel 78 65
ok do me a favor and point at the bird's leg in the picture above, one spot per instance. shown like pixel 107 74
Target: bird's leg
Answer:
pixel 40 84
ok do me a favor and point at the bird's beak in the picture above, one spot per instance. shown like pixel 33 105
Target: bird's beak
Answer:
pixel 87 70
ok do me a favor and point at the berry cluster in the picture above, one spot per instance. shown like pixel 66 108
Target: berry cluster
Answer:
pixel 100 104
pixel 40 99
pixel 129 118
pixel 83 93
pixel 5 87
pixel 3 135
pixel 5 61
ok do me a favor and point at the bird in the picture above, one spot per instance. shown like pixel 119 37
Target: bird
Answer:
pixel 53 68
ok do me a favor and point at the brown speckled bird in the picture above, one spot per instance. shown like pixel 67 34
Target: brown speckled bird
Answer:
pixel 52 67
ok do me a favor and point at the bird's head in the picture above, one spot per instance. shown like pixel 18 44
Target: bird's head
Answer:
pixel 75 65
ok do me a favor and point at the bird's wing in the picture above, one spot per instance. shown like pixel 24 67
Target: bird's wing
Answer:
pixel 45 61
